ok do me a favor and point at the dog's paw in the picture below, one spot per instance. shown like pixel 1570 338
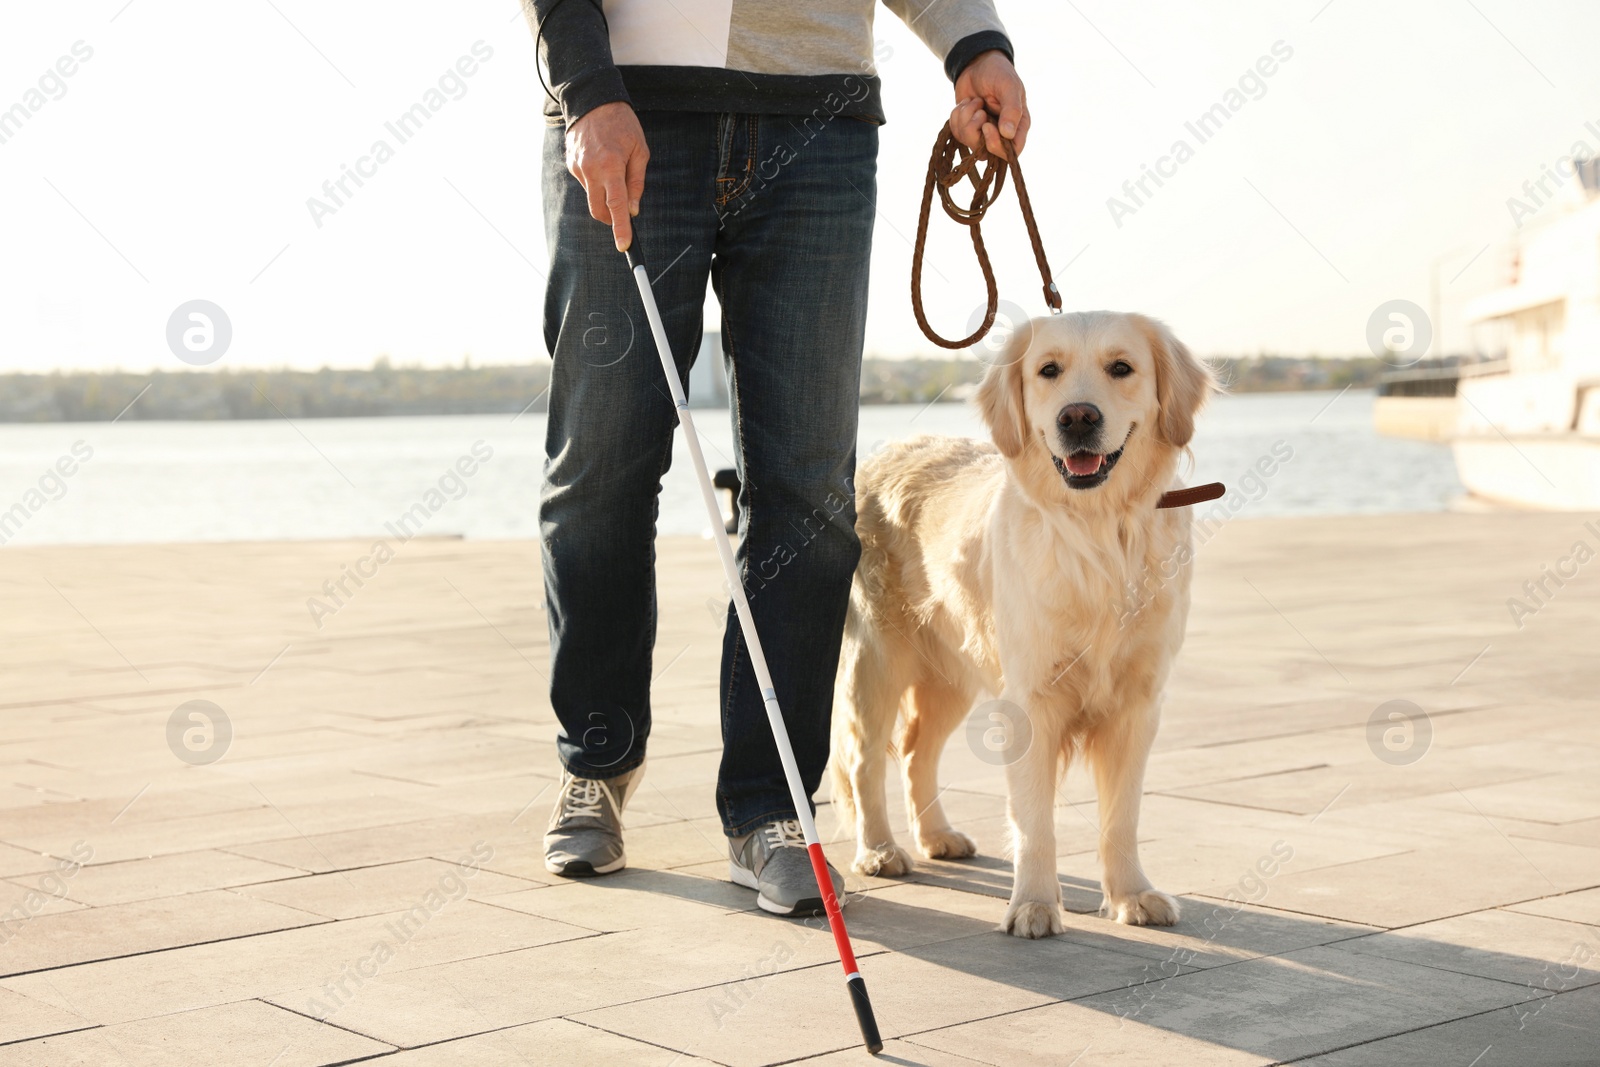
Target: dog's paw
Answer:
pixel 1032 918
pixel 1149 908
pixel 946 844
pixel 885 861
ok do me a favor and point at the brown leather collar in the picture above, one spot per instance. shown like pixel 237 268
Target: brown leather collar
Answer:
pixel 1195 494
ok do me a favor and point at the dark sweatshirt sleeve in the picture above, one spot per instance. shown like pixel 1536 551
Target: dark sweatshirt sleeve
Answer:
pixel 576 49
pixel 971 47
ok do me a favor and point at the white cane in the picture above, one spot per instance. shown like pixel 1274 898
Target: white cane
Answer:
pixel 758 660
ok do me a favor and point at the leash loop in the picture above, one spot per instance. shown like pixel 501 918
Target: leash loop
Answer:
pixel 951 163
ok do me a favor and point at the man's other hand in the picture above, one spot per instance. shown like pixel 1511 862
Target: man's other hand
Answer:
pixel 607 154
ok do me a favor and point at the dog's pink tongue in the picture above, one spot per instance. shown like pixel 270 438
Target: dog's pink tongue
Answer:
pixel 1084 462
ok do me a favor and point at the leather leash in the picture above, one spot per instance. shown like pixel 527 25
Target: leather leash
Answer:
pixel 950 163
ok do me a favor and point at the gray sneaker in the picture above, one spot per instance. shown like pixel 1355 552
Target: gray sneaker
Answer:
pixel 774 862
pixel 585 833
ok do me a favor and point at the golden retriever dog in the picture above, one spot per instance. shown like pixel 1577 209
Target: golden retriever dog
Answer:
pixel 1036 570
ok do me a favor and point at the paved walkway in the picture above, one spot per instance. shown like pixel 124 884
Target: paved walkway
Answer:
pixel 358 876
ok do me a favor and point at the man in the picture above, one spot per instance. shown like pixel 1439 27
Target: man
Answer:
pixel 759 126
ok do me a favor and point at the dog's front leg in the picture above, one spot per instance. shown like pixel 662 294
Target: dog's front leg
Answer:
pixel 1119 750
pixel 1035 908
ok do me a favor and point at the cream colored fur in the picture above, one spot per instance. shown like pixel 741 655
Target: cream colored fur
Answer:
pixel 982 572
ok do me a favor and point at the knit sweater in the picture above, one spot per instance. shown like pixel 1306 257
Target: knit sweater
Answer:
pixel 783 57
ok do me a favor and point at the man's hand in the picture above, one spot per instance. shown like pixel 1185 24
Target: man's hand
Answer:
pixel 607 154
pixel 989 86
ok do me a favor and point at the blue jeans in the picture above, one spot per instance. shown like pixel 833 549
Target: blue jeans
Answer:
pixel 776 212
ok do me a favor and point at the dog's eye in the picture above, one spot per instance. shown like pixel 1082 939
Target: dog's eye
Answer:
pixel 1050 370
pixel 1119 369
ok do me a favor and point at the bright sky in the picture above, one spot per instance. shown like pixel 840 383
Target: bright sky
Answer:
pixel 175 162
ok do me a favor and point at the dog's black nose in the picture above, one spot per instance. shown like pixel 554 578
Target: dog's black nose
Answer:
pixel 1079 419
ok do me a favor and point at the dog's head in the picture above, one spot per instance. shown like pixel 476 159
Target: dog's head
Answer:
pixel 1093 399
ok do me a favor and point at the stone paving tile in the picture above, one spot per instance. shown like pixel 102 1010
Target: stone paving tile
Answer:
pixel 1315 999
pixel 425 1004
pixel 1058 1034
pixel 464 759
pixel 1580 907
pixel 34 896
pixel 16 796
pixel 1253 715
pixel 679 843
pixel 1173 769
pixel 252 745
pixel 386 888
pixel 446 836
pixel 1411 823
pixel 18 861
pixel 23 1017
pixel 914 913
pixel 632 899
pixel 137 809
pixel 1531 950
pixel 1198 863
pixel 169 875
pixel 968 978
pixel 1211 933
pixel 1244 853
pixel 1552 798
pixel 305 959
pixel 1297 1004
pixel 1559 1031
pixel 552 1041
pixel 506 796
pixel 321 816
pixel 522 856
pixel 894 1051
pixel 1429 883
pixel 250 1031
pixel 1561 733
pixel 139 840
pixel 1585 832
pixel 1304 792
pixel 142 926
pixel 986 875
pixel 1164 817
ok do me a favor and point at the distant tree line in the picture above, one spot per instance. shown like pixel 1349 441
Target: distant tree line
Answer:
pixel 920 381
pixel 387 390
pixel 268 394
pixel 1294 374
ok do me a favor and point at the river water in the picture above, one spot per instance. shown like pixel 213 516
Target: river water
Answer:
pixel 338 478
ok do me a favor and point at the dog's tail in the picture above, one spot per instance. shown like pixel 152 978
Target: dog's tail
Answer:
pixel 866 702
pixel 860 669
pixel 844 794
pixel 844 798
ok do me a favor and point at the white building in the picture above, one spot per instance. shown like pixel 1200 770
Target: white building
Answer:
pixel 1530 435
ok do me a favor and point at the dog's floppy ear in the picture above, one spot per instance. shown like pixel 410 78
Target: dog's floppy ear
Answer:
pixel 1000 396
pixel 1182 382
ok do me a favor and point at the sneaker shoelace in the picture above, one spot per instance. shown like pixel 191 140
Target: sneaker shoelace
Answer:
pixel 785 834
pixel 582 799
